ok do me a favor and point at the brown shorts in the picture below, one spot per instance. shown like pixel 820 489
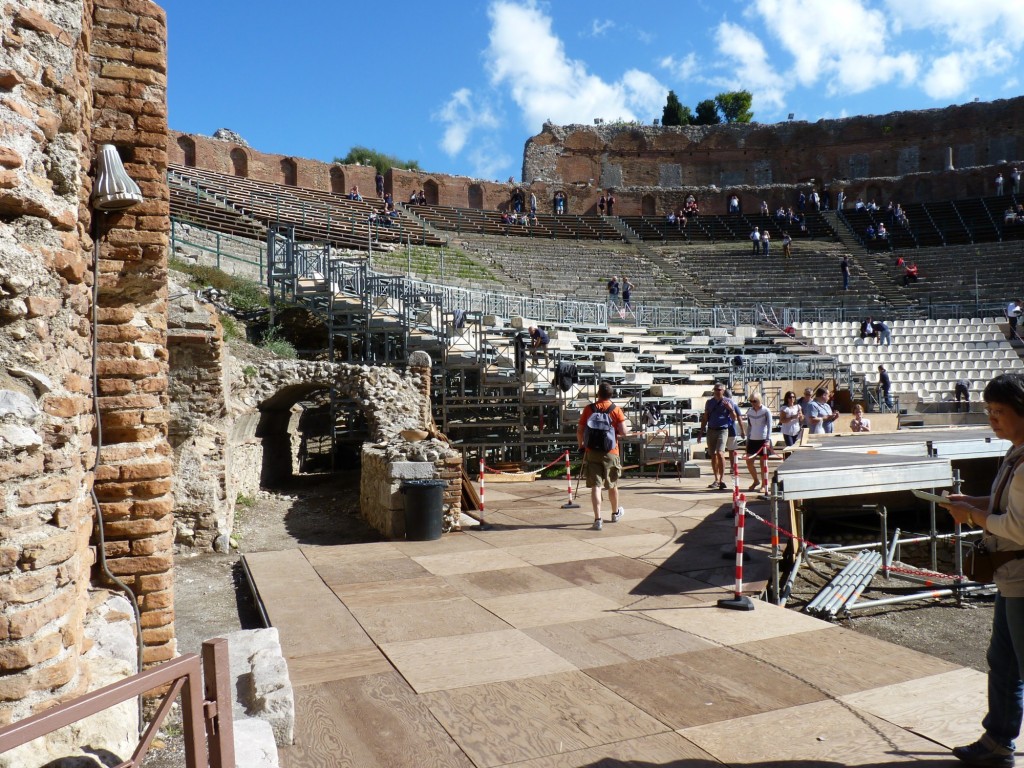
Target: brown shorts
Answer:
pixel 602 469
pixel 717 440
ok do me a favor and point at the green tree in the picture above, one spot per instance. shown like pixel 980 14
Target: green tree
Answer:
pixel 382 162
pixel 735 106
pixel 675 113
pixel 707 113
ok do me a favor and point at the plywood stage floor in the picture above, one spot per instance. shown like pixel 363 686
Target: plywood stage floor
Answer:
pixel 544 644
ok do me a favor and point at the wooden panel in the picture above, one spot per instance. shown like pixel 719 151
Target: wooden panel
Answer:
pixel 469 561
pixel 488 657
pixel 556 552
pixel 614 639
pixel 307 670
pixel 666 750
pixel 418 621
pixel 601 570
pixel 551 607
pixel 841 661
pixel 521 719
pixel 736 627
pixel 288 586
pixel 912 705
pixel 419 590
pixel 819 734
pixel 719 684
pixel 510 581
pixel 368 722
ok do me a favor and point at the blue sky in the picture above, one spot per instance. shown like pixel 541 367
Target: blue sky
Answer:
pixel 460 86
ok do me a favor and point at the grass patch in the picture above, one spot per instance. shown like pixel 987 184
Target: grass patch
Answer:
pixel 242 294
pixel 231 329
pixel 244 501
pixel 274 342
pixel 426 261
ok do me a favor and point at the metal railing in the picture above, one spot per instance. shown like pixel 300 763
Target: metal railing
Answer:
pixel 180 236
pixel 205 688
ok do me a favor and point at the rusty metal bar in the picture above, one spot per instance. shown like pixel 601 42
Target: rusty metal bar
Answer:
pixel 219 722
pixel 147 738
pixel 193 723
pixel 38 725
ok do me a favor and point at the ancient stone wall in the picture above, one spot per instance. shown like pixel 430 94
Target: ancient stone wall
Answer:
pixel 76 73
pixel 224 157
pixel 133 483
pixel 45 446
pixel 718 160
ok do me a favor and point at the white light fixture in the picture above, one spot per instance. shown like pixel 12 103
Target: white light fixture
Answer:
pixel 113 189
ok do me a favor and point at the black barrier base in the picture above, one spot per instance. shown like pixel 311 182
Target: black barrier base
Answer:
pixel 483 526
pixel 570 505
pixel 737 603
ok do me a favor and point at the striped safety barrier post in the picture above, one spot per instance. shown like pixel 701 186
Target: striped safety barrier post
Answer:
pixel 735 483
pixel 570 504
pixel 764 467
pixel 739 601
pixel 483 468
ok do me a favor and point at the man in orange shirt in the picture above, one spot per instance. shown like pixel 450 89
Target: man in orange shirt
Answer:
pixel 600 426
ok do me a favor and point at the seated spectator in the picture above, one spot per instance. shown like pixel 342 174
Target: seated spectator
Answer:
pixel 412 197
pixel 870 232
pixel 780 214
pixel 867 329
pixel 859 205
pixel 392 212
pixel 671 217
pixel 539 341
pixel 1010 217
pixel 910 274
pixel 882 233
pixel 388 200
pixel 354 195
pixel 532 218
pixel 523 220
pixel 764 207
pixel 372 218
pixel 900 262
pixel 505 218
pixel 421 198
pixel 384 218
pixel 682 221
pixel 690 209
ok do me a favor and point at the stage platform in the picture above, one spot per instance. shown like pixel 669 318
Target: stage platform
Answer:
pixel 544 644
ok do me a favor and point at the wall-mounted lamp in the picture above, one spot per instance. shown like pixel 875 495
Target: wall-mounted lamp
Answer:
pixel 113 189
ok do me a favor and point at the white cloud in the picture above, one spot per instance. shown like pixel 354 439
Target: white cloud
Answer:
pixel 951 75
pixel 461 117
pixel 527 59
pixel 599 26
pixel 488 161
pixel 681 69
pixel 840 42
pixel 751 70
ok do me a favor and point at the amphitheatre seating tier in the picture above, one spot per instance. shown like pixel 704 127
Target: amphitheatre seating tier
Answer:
pixel 926 356
pixel 187 205
pixel 713 228
pixel 964 274
pixel 732 275
pixel 473 220
pixel 316 215
pixel 938 223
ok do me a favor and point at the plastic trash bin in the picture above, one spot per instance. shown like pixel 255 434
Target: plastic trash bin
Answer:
pixel 424 507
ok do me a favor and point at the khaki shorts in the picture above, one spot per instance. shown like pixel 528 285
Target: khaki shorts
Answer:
pixel 717 440
pixel 602 469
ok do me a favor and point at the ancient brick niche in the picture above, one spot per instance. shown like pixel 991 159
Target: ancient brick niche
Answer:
pixel 80 74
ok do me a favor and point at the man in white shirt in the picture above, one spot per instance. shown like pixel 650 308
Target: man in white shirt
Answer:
pixel 1013 312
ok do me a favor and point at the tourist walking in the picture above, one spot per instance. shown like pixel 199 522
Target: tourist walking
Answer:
pixel 597 433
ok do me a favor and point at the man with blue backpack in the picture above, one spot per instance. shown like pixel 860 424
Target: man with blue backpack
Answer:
pixel 600 426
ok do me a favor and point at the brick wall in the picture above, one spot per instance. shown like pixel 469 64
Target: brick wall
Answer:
pixel 45 445
pixel 129 82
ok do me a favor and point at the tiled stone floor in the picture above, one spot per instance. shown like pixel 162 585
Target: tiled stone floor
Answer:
pixel 543 644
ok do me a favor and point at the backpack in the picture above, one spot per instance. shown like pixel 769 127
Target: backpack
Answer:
pixel 599 432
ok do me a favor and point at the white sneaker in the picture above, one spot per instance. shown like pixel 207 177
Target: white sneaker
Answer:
pixel 598 524
pixel 617 514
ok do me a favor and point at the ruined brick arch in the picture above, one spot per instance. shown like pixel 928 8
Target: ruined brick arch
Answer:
pixel 289 172
pixel 432 191
pixel 648 205
pixel 476 196
pixel 188 151
pixel 240 162
pixel 338 180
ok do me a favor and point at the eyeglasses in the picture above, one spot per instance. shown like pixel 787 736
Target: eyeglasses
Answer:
pixel 996 412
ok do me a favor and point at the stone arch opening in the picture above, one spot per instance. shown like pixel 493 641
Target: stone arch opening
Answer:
pixel 289 172
pixel 188 150
pixel 338 180
pixel 240 162
pixel 476 197
pixel 431 191
pixel 648 205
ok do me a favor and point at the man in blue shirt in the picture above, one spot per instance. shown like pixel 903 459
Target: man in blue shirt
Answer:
pixel 719 414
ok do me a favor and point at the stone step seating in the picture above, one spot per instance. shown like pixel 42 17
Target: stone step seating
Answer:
pixel 732 275
pixel 316 215
pixel 186 206
pixel 936 355
pixel 565 226
pixel 949 274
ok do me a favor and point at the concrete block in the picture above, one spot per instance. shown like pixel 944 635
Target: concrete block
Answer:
pixel 494 321
pixel 620 357
pixel 522 323
pixel 261 687
pixel 639 379
pixel 255 746
pixel 700 341
pixel 411 470
pixel 605 367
